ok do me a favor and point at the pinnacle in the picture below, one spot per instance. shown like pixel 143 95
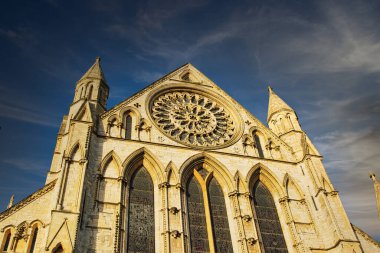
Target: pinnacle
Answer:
pixel 94 72
pixel 276 104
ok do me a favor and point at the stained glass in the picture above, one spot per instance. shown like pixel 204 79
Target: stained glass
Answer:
pixel 197 220
pixel 269 223
pixel 219 218
pixel 141 213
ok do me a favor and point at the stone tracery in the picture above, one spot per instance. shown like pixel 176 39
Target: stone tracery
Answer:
pixel 193 119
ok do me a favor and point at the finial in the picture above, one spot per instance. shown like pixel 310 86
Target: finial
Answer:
pixel 270 89
pixel 97 58
pixel 11 202
pixel 372 176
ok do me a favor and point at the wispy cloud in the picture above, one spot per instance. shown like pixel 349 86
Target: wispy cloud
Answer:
pixel 21 36
pixel 35 166
pixel 17 112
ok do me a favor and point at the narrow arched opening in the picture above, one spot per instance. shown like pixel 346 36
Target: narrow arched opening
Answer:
pixel 207 214
pixel 268 222
pixel 7 240
pixel 34 239
pixel 258 145
pixel 128 127
pixel 141 213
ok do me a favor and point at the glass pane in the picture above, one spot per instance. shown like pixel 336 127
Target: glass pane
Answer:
pixel 141 213
pixel 197 219
pixel 267 217
pixel 219 218
pixel 128 127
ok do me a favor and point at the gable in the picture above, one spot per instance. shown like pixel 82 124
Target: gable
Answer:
pixel 84 113
pixel 164 106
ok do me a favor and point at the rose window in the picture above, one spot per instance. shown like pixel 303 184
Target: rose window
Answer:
pixel 193 119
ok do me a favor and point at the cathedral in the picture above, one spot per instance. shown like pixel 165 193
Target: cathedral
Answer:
pixel 180 166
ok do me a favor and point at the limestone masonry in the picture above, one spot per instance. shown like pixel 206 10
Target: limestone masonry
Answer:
pixel 180 166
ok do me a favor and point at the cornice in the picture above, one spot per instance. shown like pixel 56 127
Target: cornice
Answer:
pixel 26 201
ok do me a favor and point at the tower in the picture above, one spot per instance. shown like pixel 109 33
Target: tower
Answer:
pixel 69 167
pixel 92 87
pixel 283 121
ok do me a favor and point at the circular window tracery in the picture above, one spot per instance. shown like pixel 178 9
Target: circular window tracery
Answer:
pixel 193 119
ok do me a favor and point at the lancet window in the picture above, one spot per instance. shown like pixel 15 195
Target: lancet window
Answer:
pixel 7 240
pixel 89 92
pixel 141 213
pixel 207 214
pixel 258 145
pixel 34 239
pixel 128 126
pixel 268 221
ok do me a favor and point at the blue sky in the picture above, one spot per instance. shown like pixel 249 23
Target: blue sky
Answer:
pixel 321 57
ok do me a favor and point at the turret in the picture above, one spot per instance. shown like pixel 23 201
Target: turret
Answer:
pixel 376 185
pixel 92 87
pixel 283 121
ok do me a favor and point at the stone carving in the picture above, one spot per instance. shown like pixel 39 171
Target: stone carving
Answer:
pixel 175 234
pixel 174 210
pixel 21 232
pixel 193 119
pixel 251 241
pixel 28 200
pixel 246 218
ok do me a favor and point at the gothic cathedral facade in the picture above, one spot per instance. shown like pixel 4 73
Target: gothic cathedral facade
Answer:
pixel 180 166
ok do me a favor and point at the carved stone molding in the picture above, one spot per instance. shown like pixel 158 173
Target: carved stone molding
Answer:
pixel 246 218
pixel 331 193
pixel 174 210
pixel 175 234
pixel 163 185
pixel 28 200
pixel 251 241
pixel 21 232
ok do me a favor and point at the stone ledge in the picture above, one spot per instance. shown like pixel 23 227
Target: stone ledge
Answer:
pixel 40 192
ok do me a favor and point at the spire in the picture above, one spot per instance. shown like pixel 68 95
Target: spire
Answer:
pixel 11 202
pixel 95 72
pixel 276 104
pixel 376 185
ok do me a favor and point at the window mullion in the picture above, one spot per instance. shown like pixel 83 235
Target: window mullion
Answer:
pixel 210 234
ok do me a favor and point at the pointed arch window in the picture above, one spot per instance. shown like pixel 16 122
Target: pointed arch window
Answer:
pixel 128 126
pixel 207 214
pixel 82 92
pixel 268 221
pixel 7 241
pixel 34 239
pixel 89 93
pixel 141 213
pixel 258 145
